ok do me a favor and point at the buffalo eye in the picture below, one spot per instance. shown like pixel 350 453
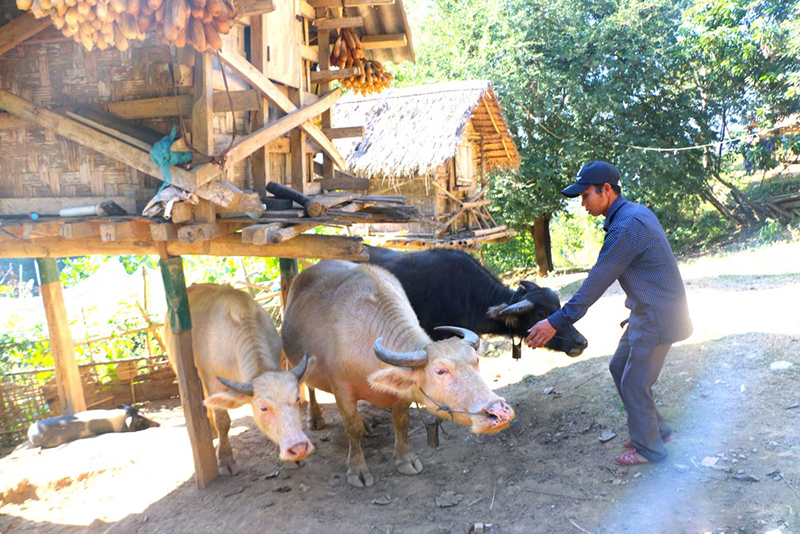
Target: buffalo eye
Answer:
pixel 541 314
pixel 264 408
pixel 440 371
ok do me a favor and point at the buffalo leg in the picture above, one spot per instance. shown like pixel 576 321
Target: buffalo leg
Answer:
pixel 225 460
pixel 358 474
pixel 404 457
pixel 314 418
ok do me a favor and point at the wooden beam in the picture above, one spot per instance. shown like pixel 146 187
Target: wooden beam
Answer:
pixel 309 53
pixel 257 233
pixel 256 140
pixel 165 106
pixel 497 129
pixel 279 235
pixel 194 233
pixel 10 122
pixel 338 24
pixel 387 40
pixel 133 141
pixel 327 76
pixel 68 379
pixel 91 138
pixel 20 29
pixel 306 10
pixel 344 133
pixel 182 356
pixel 303 246
pixel 252 76
pixel 255 7
pixel 349 3
pixel 202 107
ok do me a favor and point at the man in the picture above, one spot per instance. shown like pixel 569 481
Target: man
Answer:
pixel 636 252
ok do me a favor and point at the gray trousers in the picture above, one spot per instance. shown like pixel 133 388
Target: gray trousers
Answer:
pixel 635 370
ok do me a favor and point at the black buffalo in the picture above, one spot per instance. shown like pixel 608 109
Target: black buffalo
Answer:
pixel 448 287
pixel 55 431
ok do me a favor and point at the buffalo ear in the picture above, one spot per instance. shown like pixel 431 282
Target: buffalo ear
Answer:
pixel 527 285
pixel 227 400
pixel 395 380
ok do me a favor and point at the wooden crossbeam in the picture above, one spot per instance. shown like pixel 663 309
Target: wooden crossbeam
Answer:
pixel 387 40
pixel 344 133
pixel 255 7
pixel 258 80
pixel 309 53
pixel 303 246
pixel 326 76
pixel 258 139
pixel 349 3
pixel 338 24
pixel 165 106
pixel 20 29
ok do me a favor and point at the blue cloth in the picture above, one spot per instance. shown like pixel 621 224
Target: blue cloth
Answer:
pixel 164 157
pixel 636 252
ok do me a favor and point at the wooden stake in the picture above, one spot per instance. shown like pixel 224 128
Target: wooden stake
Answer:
pixel 68 379
pixel 205 461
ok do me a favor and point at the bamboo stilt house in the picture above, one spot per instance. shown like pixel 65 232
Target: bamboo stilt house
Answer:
pixel 437 145
pixel 88 91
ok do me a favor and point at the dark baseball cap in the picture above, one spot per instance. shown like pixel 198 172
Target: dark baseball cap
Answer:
pixel 593 173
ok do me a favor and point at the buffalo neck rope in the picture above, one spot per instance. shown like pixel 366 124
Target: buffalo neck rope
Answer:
pixel 432 429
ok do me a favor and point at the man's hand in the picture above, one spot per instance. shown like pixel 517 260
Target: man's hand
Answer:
pixel 539 334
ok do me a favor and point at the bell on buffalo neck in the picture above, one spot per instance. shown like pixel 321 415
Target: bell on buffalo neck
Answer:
pixel 432 430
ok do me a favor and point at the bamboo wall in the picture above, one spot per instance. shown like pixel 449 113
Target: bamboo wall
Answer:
pixel 51 70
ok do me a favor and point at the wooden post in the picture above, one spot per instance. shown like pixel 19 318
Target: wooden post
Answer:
pixel 297 153
pixel 324 40
pixel 68 378
pixel 203 106
pixel 205 461
pixel 289 270
pixel 258 49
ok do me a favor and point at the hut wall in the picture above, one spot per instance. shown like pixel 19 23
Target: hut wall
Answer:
pixel 51 70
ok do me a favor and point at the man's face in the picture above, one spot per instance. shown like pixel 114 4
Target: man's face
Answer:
pixel 596 203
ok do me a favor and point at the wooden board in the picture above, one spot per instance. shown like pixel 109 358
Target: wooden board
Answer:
pixel 283 62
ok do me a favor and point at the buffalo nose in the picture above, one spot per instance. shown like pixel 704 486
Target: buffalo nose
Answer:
pixel 500 412
pixel 299 450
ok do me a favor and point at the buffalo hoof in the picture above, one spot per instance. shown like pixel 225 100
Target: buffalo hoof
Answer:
pixel 228 467
pixel 359 479
pixel 292 464
pixel 316 423
pixel 410 465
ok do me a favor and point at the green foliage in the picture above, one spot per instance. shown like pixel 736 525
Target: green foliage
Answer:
pixel 771 231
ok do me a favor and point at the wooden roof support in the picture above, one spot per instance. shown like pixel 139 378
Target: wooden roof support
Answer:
pixel 197 424
pixel 303 246
pixel 258 139
pixel 339 23
pixel 20 29
pixel 68 379
pixel 388 40
pixel 203 107
pixel 255 78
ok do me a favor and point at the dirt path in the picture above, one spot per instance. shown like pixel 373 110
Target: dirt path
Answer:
pixel 723 390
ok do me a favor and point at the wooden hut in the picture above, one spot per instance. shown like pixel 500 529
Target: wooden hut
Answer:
pixel 89 88
pixel 437 145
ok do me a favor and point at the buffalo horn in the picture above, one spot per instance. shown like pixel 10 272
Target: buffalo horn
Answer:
pixel 245 388
pixel 518 308
pixel 300 369
pixel 416 358
pixel 469 336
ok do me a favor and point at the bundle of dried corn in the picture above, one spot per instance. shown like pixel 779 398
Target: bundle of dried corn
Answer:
pixel 348 52
pixel 112 23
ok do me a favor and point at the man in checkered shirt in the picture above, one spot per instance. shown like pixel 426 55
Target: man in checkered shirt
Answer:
pixel 636 252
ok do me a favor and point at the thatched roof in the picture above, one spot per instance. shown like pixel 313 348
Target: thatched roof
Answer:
pixel 412 131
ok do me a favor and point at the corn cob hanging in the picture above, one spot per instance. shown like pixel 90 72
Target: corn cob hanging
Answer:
pixel 347 52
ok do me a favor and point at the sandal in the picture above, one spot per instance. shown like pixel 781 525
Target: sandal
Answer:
pixel 631 457
pixel 628 444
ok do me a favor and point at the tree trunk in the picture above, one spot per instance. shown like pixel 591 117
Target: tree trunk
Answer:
pixel 708 195
pixel 541 241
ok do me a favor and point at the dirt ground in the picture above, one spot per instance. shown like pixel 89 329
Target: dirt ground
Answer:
pixel 731 401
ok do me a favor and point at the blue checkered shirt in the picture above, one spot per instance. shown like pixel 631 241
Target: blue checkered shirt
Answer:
pixel 636 252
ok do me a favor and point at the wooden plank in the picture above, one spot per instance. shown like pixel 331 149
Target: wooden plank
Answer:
pixel 163 232
pixel 307 11
pixel 303 246
pixel 242 67
pixel 298 140
pixel 258 139
pixel 52 205
pixel 133 141
pixel 149 108
pixel 68 380
pixel 19 29
pixel 194 233
pixel 327 76
pixel 309 53
pixel 127 128
pixel 79 230
pixel 344 133
pixel 191 390
pixel 338 24
pixel 91 138
pixel 118 231
pixel 386 40
pixel 349 3
pixel 202 107
pixel 279 235
pixel 228 197
pixel 257 233
pixel 255 7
